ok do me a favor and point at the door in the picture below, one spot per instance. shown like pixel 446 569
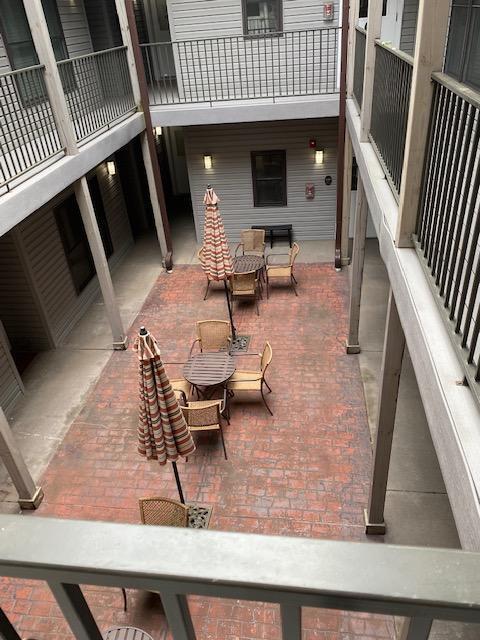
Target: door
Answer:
pixel 392 23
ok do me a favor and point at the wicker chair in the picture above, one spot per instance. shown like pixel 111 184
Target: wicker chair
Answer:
pixel 213 335
pixel 201 259
pixel 163 512
pixel 253 380
pixel 182 389
pixel 245 285
pixel 206 415
pixel 252 242
pixel 283 270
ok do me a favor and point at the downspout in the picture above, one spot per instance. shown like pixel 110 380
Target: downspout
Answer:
pixel 341 136
pixel 145 104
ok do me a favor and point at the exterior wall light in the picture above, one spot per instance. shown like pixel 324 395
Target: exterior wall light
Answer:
pixel 158 131
pixel 111 168
pixel 319 156
pixel 207 161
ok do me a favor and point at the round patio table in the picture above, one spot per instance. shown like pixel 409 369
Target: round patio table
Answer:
pixel 246 263
pixel 126 633
pixel 209 369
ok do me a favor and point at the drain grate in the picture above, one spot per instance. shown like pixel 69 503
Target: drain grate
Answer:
pixel 198 516
pixel 241 343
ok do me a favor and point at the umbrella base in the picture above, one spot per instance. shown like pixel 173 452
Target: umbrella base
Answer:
pixel 198 516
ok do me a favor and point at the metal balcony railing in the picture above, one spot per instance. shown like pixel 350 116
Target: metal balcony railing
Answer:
pixel 98 90
pixel 359 64
pixel 448 226
pixel 391 99
pixel 28 134
pixel 291 63
pixel 419 583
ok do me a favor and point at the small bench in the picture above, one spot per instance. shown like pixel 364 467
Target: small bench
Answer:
pixel 282 230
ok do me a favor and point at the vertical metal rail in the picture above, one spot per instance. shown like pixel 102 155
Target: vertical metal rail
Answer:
pixel 391 98
pixel 448 225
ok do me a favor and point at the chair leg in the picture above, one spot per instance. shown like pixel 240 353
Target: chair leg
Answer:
pixel 292 280
pixel 206 290
pixel 267 285
pixel 256 304
pixel 267 385
pixel 223 443
pixel 124 594
pixel 265 402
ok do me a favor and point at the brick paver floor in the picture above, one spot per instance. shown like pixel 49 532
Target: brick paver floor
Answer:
pixel 304 472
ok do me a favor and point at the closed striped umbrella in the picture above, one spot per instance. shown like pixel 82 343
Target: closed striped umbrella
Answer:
pixel 217 263
pixel 163 433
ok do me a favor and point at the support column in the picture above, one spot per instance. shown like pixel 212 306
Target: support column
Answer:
pixel 374 29
pixel 432 25
pixel 84 200
pixel 393 348
pixel 154 195
pixel 347 197
pixel 29 495
pixel 43 46
pixel 358 260
pixel 416 629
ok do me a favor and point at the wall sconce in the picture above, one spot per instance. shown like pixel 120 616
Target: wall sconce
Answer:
pixel 157 131
pixel 207 161
pixel 111 168
pixel 319 156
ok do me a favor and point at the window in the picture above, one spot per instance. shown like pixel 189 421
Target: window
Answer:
pixel 75 243
pixel 269 174
pixel 261 17
pixel 463 48
pixel 364 8
pixel 21 52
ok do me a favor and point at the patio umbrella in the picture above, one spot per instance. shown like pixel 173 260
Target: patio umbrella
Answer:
pixel 163 433
pixel 217 263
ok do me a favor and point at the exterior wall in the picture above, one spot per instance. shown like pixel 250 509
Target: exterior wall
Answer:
pixel 409 26
pixel 43 252
pixel 10 385
pixel 304 64
pixel 231 175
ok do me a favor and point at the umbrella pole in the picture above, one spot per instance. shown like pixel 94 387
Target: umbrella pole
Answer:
pixel 177 480
pixel 229 310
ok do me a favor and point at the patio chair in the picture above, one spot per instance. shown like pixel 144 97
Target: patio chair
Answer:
pixel 253 380
pixel 182 389
pixel 252 242
pixel 282 270
pixel 163 512
pixel 213 335
pixel 206 415
pixel 245 285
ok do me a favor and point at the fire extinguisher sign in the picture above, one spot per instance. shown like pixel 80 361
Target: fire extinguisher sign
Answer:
pixel 328 10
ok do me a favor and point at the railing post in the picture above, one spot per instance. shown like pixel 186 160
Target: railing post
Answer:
pixel 432 23
pixel 416 629
pixel 393 349
pixel 74 607
pixel 30 496
pixel 178 616
pixel 352 23
pixel 43 45
pixel 361 212
pixel 374 28
pixel 347 196
pixel 127 41
pixel 85 204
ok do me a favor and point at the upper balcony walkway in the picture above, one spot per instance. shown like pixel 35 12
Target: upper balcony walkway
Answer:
pixel 238 78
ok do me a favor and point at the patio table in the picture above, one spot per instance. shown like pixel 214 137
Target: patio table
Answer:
pixel 209 369
pixel 246 263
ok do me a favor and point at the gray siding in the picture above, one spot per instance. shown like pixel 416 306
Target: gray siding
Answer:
pixel 19 310
pixel 43 250
pixel 231 175
pixel 409 26
pixel 75 27
pixel 10 388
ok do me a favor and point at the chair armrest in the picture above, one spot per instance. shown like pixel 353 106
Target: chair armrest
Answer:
pixel 193 345
pixel 275 255
pixel 240 244
pixel 245 353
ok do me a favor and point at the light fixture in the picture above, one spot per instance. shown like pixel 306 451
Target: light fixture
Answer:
pixel 158 131
pixel 207 161
pixel 111 168
pixel 319 156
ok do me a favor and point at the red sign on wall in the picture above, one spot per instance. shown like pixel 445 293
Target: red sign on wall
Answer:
pixel 328 11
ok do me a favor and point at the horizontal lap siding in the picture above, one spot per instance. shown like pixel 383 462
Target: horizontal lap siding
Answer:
pixel 231 176
pixel 9 387
pixel 409 26
pixel 44 250
pixel 18 308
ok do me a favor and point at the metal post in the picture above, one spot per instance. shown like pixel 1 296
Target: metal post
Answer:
pixel 358 260
pixel 178 616
pixel 179 484
pixel 74 607
pixel 30 496
pixel 84 200
pixel 416 629
pixel 393 349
